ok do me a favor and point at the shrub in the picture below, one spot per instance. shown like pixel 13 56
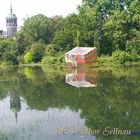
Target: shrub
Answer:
pixel 121 57
pixel 37 51
pixel 133 46
pixel 28 57
pixel 104 59
pixel 10 58
pixel 57 59
pixel 49 60
pixel 134 55
pixel 51 49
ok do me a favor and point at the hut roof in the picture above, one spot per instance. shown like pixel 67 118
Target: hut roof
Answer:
pixel 80 50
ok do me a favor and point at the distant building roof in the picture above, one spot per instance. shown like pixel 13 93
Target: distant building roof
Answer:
pixel 80 50
pixel 11 15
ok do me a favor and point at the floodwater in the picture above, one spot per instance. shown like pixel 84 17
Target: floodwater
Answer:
pixel 41 103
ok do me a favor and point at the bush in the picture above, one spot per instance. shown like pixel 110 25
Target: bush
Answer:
pixel 105 59
pixel 37 51
pixel 61 58
pixel 122 57
pixel 57 59
pixel 20 59
pixel 49 60
pixel 28 57
pixel 133 46
pixel 10 58
pixel 134 55
pixel 51 49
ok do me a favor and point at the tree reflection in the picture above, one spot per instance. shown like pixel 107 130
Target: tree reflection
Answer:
pixel 15 104
pixel 113 103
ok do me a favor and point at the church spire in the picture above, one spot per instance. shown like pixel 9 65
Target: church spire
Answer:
pixel 11 9
pixel 11 23
pixel 16 116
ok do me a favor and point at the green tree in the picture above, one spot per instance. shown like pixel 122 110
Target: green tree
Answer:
pixel 66 34
pixel 36 28
pixel 10 58
pixel 122 27
pixel 8 51
pixel 116 22
pixel 55 24
pixel 37 51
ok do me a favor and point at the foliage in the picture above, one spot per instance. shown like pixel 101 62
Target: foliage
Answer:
pixel 11 58
pixel 55 24
pixel 37 51
pixel 57 59
pixel 64 37
pixel 48 60
pixel 119 57
pixel 122 28
pixel 105 60
pixel 51 49
pixel 133 46
pixel 108 25
pixel 123 57
pixel 8 51
pixel 36 28
pixel 28 57
pixel 22 44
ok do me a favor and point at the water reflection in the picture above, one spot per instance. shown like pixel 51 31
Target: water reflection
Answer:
pixel 81 77
pixel 39 125
pixel 15 103
pixel 44 103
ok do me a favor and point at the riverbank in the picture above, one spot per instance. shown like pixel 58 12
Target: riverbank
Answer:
pixel 103 61
pixel 109 61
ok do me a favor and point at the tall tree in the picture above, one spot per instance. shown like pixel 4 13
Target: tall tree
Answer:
pixel 37 28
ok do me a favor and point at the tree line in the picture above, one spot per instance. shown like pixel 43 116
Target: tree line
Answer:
pixel 112 26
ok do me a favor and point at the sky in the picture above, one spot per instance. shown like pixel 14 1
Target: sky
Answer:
pixel 28 8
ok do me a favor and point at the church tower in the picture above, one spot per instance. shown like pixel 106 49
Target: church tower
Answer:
pixel 11 24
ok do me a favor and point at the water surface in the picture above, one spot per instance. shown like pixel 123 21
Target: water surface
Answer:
pixel 41 103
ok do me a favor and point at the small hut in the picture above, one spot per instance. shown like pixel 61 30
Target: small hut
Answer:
pixel 81 56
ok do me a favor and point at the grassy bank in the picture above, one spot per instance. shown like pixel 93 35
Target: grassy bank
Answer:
pixel 109 61
pixel 54 62
pixel 57 60
pixel 120 58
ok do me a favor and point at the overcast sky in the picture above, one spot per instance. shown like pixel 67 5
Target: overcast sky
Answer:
pixel 27 8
